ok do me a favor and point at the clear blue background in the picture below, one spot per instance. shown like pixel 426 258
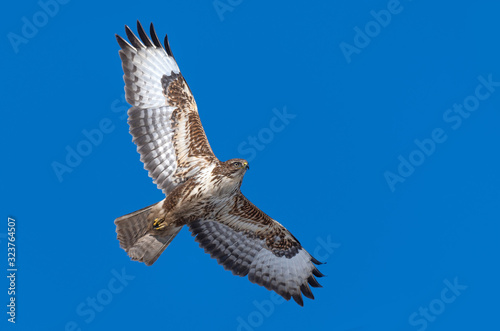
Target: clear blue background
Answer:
pixel 322 176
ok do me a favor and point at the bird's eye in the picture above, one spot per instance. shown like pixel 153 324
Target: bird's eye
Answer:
pixel 237 164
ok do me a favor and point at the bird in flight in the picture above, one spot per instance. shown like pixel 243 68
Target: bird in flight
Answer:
pixel 201 191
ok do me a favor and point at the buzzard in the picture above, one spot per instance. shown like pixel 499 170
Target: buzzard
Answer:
pixel 201 191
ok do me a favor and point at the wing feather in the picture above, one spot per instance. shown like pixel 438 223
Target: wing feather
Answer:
pixel 246 241
pixel 144 37
pixel 133 39
pixel 163 119
pixel 154 36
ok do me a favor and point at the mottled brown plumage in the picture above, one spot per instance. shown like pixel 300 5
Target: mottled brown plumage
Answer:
pixel 201 191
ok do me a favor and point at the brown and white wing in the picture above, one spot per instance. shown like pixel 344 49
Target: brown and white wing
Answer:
pixel 248 242
pixel 163 120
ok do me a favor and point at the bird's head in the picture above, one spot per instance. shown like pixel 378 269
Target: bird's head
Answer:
pixel 236 167
pixel 234 170
pixel 230 175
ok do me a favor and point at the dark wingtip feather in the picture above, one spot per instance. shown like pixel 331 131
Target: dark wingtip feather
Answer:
pixel 154 36
pixel 298 298
pixel 306 290
pixel 167 46
pixel 317 273
pixel 313 282
pixel 122 42
pixel 142 34
pixel 133 38
pixel 287 296
pixel 313 260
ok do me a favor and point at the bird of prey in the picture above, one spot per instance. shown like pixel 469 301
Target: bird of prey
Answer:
pixel 201 191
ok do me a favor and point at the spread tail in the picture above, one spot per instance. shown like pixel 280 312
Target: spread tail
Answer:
pixel 133 233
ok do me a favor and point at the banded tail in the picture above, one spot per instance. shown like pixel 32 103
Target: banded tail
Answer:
pixel 135 238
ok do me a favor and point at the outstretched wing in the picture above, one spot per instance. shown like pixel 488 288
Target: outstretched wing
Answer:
pixel 163 120
pixel 248 242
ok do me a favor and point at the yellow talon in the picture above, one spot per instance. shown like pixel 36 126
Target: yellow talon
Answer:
pixel 158 224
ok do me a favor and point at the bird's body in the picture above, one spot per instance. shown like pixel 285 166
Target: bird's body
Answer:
pixel 201 191
pixel 203 195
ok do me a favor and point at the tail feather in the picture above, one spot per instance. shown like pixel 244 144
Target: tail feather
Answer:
pixel 132 230
pixel 149 248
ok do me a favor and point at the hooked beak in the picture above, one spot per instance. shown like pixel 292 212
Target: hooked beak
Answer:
pixel 246 166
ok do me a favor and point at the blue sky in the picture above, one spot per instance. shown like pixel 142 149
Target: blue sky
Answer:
pixel 372 131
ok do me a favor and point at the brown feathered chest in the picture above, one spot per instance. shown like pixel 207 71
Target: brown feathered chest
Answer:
pixel 200 197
